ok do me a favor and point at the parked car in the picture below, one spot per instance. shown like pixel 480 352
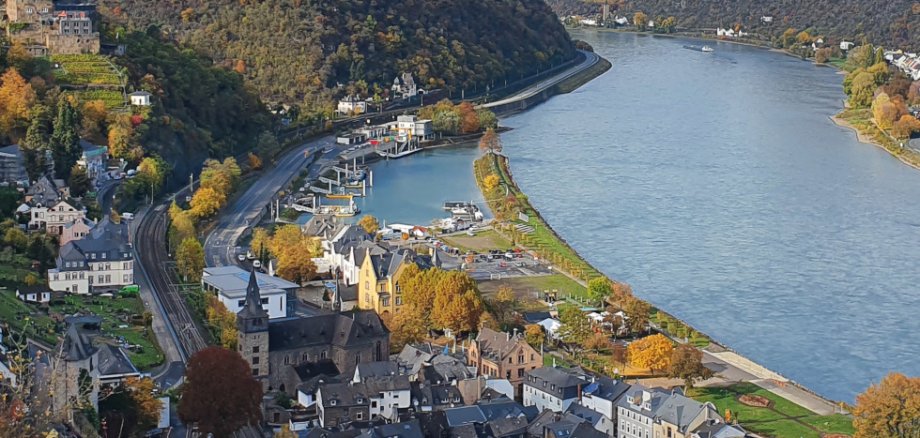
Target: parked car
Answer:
pixel 241 257
pixel 257 264
pixel 127 216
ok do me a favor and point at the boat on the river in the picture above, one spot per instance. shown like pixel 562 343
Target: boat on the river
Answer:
pixel 705 49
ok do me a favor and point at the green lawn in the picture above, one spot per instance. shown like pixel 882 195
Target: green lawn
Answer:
pixel 25 319
pixel 785 419
pixel 119 319
pixel 536 284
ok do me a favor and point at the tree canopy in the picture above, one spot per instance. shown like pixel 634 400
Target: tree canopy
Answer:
pixel 219 393
pixel 889 409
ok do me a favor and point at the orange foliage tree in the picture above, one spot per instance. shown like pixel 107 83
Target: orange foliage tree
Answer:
pixel 651 352
pixel 890 409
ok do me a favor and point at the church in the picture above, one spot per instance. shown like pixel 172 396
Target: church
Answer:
pixel 272 346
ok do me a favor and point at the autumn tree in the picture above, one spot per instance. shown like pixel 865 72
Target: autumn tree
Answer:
pixel 255 163
pixel 469 120
pixel 92 125
pixel 369 224
pixel 294 252
pixel 181 226
pixel 596 342
pixel 408 326
pixel 889 409
pixel 534 335
pixel 491 181
pixel 490 142
pixel 457 302
pixel 823 55
pixel 906 126
pixel 651 352
pixel 502 304
pixel 140 391
pixel 640 20
pixel 637 312
pixel 190 260
pixel 487 119
pixel 65 141
pixel 122 140
pixel 885 112
pixel 576 328
pixel 687 364
pixel 222 321
pixel 222 176
pixel 214 371
pixel 207 201
pixel 260 242
pixel 16 99
pixel 862 90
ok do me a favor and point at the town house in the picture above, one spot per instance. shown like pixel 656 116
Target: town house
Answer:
pixel 552 388
pixel 102 260
pixel 503 356
pixel 55 218
pixel 378 287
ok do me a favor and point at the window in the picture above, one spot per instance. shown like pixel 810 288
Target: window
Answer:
pixel 255 349
pixel 399 301
pixel 385 302
pixel 103 256
pixel 520 372
pixel 255 371
pixel 322 355
pixel 255 360
pixel 263 301
pixel 359 416
pixel 241 303
pixel 331 402
pixel 521 358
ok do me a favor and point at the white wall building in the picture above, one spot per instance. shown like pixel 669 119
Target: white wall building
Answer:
pixel 551 388
pixel 104 260
pixel 53 219
pixel 351 104
pixel 229 284
pixel 140 98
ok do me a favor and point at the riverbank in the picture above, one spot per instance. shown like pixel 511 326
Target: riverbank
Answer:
pixel 860 121
pixel 521 223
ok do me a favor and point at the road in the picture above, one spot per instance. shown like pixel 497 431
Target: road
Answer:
pixel 247 209
pixel 591 58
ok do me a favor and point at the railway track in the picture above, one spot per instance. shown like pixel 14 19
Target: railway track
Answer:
pixel 151 252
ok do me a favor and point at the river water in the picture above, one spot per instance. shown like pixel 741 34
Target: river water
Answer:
pixel 716 185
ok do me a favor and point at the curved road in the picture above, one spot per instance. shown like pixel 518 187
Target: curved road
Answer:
pixel 591 58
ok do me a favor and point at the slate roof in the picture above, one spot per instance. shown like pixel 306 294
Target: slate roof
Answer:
pixel 340 329
pixel 464 415
pixel 445 368
pixel 412 357
pixel 589 415
pixel 719 430
pixel 504 407
pixel 44 192
pixel 408 429
pixel 351 233
pixel 107 238
pixel 556 422
pixel 12 150
pixel 503 427
pixel 386 264
pixel 344 394
pixel 497 345
pixel 606 388
pixel 560 377
pixel 91 150
pixel 424 394
pixel 113 361
pixel 680 411
pixel 77 345
pixel 536 317
pixel 366 370
pixel 375 385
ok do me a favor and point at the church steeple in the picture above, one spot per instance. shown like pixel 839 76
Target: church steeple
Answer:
pixel 252 317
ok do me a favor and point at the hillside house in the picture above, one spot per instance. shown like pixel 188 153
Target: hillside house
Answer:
pixel 140 98
pixel 102 260
pixel 503 356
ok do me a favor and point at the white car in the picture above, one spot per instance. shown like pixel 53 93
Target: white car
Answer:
pixel 241 257
pixel 257 264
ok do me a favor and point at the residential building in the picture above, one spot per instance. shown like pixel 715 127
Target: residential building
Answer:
pixel 351 105
pixel 229 284
pixel 55 218
pixel 75 230
pixel 504 356
pixel 12 165
pixel 428 398
pixel 37 294
pixel 93 158
pixel 271 345
pixel 552 388
pixel 46 192
pixel 412 127
pixel 102 260
pixel 404 87
pixel 601 396
pixel 598 421
pixel 345 247
pixel 378 285
pixel 340 403
pixel 140 98
pixel 645 413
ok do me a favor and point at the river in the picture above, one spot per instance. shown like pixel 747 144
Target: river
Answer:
pixel 716 185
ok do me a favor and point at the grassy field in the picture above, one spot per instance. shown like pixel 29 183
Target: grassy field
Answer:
pixel 531 286
pixel 24 319
pixel 121 317
pixel 481 241
pixel 782 419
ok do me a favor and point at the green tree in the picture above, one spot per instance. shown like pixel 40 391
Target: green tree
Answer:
pixel 79 182
pixel 576 328
pixel 17 239
pixel 862 90
pixel 65 140
pixel 36 142
pixel 599 289
pixel 268 146
pixel 487 119
pixel 446 122
pixel 190 260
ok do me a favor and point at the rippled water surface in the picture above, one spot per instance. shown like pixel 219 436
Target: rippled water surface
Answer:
pixel 717 186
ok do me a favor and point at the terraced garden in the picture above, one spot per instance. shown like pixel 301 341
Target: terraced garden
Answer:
pixel 90 77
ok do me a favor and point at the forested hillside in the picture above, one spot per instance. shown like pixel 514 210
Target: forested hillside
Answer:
pixel 300 51
pixel 890 23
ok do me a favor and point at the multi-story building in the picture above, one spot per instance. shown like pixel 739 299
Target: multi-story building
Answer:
pixel 12 165
pixel 54 27
pixel 229 284
pixel 378 285
pixel 503 356
pixel 273 345
pixel 75 230
pixel 646 413
pixel 55 218
pixel 601 396
pixel 552 388
pixel 93 158
pixel 102 260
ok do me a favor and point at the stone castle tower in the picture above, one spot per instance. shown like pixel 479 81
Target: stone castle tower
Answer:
pixel 252 325
pixel 28 11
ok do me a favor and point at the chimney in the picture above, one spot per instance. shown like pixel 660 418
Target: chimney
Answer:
pixel 515 332
pixel 507 336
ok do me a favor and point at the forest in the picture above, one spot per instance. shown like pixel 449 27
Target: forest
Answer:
pixel 309 52
pixel 892 23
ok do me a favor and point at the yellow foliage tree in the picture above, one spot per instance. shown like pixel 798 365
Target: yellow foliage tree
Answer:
pixel 207 201
pixel 369 224
pixel 190 259
pixel 255 162
pixel 222 320
pixel 491 181
pixel 889 409
pixel 148 405
pixel 651 352
pixel 16 100
pixel 534 335
pixel 260 240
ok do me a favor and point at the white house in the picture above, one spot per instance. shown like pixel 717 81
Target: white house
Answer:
pixel 229 284
pixel 104 260
pixel 552 388
pixel 621 21
pixel 601 396
pixel 140 98
pixel 588 22
pixel 766 19
pixel 846 45
pixel 345 250
pixel 34 294
pixel 53 219
pixel 352 104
